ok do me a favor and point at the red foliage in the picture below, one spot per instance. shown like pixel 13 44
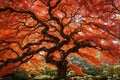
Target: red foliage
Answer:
pixel 77 70
pixel 54 29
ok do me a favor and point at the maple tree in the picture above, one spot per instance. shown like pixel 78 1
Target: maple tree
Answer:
pixel 56 30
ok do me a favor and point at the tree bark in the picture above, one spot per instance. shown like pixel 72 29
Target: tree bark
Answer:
pixel 62 69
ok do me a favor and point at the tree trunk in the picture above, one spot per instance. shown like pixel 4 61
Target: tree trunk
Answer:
pixel 62 69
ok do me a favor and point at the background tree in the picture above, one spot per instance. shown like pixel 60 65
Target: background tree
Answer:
pixel 56 30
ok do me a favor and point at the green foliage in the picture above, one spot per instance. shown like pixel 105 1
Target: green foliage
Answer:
pixel 103 72
pixel 112 71
pixel 45 71
pixel 43 77
pixel 94 73
pixel 23 75
pixel 70 73
pixel 87 68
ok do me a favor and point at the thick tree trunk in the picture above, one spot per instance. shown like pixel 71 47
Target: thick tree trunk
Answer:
pixel 62 69
pixel 62 72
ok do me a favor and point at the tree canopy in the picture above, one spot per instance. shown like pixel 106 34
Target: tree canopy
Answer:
pixel 57 29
